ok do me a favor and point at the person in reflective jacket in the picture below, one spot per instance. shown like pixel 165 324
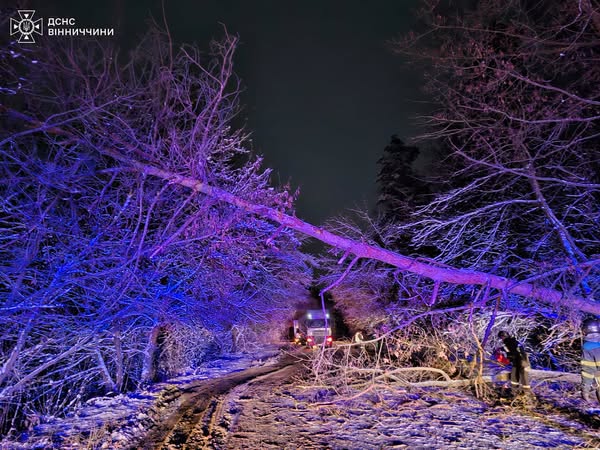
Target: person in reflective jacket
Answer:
pixel 516 354
pixel 590 360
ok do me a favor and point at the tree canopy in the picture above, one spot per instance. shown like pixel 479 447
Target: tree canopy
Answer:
pixel 140 233
pixel 112 276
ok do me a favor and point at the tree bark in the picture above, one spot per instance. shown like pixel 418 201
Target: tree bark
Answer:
pixel 539 376
pixel 119 370
pixel 418 266
pixel 106 378
pixel 12 360
pixel 422 267
pixel 149 366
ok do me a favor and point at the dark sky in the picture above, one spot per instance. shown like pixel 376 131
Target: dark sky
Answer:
pixel 323 92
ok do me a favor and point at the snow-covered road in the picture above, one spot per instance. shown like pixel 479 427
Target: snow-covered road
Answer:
pixel 262 402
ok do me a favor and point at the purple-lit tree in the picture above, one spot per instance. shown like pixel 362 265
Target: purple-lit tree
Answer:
pixel 517 125
pixel 111 276
pixel 135 214
pixel 518 89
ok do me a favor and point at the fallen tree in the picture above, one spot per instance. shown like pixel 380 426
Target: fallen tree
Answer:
pixel 423 267
pixel 418 266
pixel 136 217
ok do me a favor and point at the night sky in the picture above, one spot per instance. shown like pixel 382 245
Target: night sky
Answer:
pixel 323 93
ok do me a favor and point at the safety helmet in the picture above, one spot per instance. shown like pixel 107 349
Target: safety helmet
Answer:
pixel 591 326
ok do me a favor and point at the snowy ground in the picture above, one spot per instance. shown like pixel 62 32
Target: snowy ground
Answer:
pixel 115 422
pixel 290 418
pixel 288 413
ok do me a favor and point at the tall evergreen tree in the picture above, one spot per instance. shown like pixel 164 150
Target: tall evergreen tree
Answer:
pixel 400 189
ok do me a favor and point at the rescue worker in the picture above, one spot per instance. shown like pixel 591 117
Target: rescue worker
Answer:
pixel 516 354
pixel 300 338
pixel 590 359
pixel 358 337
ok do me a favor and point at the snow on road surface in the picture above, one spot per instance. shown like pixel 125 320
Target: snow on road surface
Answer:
pixel 274 408
pixel 118 421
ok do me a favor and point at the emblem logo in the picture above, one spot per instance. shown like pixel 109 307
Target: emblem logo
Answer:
pixel 26 27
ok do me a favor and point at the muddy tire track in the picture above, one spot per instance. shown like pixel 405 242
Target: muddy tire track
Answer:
pixel 227 417
pixel 206 410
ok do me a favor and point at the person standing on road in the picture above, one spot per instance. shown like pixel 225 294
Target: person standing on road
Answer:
pixel 590 359
pixel 516 354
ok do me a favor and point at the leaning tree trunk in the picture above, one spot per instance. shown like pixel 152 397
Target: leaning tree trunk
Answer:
pixel 423 267
pixel 119 362
pixel 427 268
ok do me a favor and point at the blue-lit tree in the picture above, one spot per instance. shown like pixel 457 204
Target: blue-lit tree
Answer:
pixel 112 276
pixel 134 214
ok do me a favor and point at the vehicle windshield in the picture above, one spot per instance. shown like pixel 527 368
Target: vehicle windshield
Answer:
pixel 316 323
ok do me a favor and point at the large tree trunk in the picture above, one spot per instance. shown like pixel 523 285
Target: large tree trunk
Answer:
pixel 423 267
pixel 109 383
pixel 426 268
pixel 149 363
